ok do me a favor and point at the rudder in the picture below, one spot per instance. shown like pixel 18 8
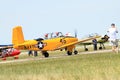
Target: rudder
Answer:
pixel 17 35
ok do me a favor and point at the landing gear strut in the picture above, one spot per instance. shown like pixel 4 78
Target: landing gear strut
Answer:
pixel 86 49
pixel 46 54
pixel 101 44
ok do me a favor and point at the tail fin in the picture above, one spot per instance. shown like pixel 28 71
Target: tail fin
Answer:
pixel 17 35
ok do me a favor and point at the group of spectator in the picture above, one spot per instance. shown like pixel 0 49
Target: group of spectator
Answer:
pixel 32 53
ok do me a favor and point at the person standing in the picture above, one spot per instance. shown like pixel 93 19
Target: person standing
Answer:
pixel 35 53
pixel 30 53
pixel 94 44
pixel 112 32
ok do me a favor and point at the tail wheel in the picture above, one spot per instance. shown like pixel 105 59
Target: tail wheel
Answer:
pixel 75 52
pixel 40 45
pixel 69 53
pixel 46 54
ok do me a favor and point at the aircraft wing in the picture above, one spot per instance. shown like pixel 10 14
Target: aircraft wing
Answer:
pixel 6 45
pixel 99 40
pixel 2 47
pixel 77 42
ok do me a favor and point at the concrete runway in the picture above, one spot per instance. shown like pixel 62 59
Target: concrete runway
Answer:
pixel 60 56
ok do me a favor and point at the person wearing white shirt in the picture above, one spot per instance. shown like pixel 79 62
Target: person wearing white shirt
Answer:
pixel 112 32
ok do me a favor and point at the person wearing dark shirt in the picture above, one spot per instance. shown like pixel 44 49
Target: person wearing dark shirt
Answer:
pixel 94 44
pixel 30 53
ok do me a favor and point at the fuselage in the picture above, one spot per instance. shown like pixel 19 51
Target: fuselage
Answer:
pixel 45 45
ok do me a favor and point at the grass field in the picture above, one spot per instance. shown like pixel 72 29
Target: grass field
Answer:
pixel 80 67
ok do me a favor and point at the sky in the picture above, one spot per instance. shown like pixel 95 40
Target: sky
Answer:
pixel 38 17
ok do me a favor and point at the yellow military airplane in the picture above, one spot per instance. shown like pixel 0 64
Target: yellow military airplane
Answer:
pixel 57 43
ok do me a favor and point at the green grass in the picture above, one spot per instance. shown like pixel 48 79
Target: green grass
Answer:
pixel 80 67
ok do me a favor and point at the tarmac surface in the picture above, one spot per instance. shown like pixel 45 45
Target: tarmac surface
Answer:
pixel 60 56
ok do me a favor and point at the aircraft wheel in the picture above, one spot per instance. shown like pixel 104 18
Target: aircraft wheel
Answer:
pixel 46 54
pixel 75 52
pixel 69 53
pixel 86 49
pixel 100 48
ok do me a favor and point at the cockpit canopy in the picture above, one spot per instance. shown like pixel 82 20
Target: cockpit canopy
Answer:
pixel 53 35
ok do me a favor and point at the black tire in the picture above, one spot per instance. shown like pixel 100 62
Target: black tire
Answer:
pixel 46 54
pixel 86 49
pixel 75 52
pixel 69 53
pixel 100 48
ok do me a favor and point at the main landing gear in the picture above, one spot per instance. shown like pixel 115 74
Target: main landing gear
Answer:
pixel 45 54
pixel 86 49
pixel 70 53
